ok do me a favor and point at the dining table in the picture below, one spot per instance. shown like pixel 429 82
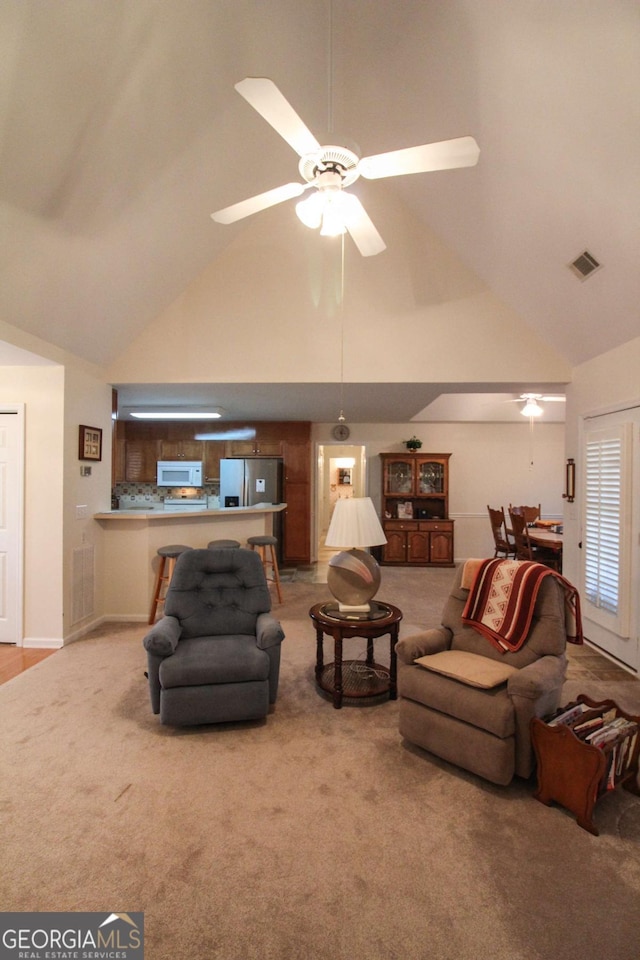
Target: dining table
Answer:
pixel 548 539
pixel 545 537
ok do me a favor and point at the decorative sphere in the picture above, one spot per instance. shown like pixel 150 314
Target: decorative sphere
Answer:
pixel 353 577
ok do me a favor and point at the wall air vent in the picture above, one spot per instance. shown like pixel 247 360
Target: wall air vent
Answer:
pixel 584 265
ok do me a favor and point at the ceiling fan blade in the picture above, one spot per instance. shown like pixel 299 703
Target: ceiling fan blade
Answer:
pixel 360 226
pixel 445 155
pixel 264 96
pixel 238 211
pixel 538 397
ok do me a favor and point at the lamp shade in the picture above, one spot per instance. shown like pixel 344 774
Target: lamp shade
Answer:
pixel 355 523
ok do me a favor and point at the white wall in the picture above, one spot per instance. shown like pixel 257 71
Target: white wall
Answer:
pixel 41 389
pixel 267 310
pixel 491 464
pixel 88 402
pixel 58 397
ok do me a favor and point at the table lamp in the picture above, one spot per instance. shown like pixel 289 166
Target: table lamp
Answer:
pixel 354 576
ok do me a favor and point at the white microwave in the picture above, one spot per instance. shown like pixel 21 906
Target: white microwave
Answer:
pixel 179 473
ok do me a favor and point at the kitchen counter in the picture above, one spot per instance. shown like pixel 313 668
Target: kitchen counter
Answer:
pixel 131 539
pixel 163 513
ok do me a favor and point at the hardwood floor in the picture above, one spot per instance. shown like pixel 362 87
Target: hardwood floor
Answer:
pixel 13 660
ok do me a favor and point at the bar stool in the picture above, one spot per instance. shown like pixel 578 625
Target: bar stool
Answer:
pixel 168 556
pixel 223 544
pixel 264 544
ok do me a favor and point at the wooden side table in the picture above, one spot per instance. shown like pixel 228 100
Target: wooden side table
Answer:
pixel 355 678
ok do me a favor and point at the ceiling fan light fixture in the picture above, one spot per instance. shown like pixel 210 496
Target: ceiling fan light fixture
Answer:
pixel 309 211
pixel 326 208
pixel 333 210
pixel 531 408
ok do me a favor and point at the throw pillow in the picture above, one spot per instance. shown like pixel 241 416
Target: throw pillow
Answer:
pixel 469 668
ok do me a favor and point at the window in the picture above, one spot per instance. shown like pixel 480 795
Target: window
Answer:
pixel 606 540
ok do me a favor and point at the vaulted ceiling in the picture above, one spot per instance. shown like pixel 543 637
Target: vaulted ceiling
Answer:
pixel 121 132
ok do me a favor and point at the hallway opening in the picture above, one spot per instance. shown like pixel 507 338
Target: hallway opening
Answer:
pixel 341 472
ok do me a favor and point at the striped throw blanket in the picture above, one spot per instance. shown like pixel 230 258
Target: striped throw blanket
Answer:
pixel 502 599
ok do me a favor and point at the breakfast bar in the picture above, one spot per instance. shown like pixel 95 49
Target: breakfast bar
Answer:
pixel 131 540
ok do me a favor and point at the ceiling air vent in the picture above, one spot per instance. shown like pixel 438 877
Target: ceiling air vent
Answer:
pixel 584 265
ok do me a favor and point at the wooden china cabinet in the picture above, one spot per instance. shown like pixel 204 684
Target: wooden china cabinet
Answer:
pixel 415 509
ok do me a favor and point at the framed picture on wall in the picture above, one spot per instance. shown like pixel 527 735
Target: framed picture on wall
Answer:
pixel 90 443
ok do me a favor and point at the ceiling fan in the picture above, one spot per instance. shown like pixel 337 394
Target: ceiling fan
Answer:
pixel 531 403
pixel 329 169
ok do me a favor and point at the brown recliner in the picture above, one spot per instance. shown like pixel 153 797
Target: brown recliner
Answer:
pixel 484 729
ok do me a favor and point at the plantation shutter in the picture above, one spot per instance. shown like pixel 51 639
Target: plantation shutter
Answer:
pixel 605 543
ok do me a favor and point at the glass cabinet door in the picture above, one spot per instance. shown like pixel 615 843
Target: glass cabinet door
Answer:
pixel 430 476
pixel 399 477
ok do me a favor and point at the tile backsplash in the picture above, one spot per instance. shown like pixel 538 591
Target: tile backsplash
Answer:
pixel 150 493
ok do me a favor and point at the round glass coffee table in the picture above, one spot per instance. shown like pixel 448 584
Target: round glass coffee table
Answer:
pixel 357 679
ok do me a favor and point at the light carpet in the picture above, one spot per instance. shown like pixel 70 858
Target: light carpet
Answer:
pixel 316 834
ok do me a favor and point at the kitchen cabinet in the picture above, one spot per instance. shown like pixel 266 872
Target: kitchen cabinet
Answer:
pixel 181 449
pixel 141 458
pixel 296 531
pixel 118 452
pixel 254 448
pixel 141 451
pixel 214 452
pixel 297 496
pixel 297 462
pixel 270 438
pixel 119 462
pixel 415 509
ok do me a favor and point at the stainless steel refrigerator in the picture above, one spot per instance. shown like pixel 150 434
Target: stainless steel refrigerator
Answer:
pixel 246 483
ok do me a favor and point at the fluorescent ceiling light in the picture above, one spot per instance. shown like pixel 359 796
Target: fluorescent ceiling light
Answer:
pixel 176 415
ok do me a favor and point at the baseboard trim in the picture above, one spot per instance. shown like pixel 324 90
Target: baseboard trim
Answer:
pixel 105 618
pixel 42 643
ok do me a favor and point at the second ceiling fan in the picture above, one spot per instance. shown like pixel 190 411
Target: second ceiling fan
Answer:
pixel 531 406
pixel 329 169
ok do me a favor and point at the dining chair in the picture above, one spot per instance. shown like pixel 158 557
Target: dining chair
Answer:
pixel 525 550
pixel 530 514
pixel 503 546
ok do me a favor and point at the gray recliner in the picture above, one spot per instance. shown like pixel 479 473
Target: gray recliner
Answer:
pixel 483 729
pixel 215 654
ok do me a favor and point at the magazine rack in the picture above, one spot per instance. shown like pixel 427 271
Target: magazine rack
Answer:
pixel 573 771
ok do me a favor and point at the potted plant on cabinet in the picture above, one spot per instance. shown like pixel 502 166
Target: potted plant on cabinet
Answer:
pixel 413 443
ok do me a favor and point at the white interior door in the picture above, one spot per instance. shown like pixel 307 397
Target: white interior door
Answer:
pixel 11 522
